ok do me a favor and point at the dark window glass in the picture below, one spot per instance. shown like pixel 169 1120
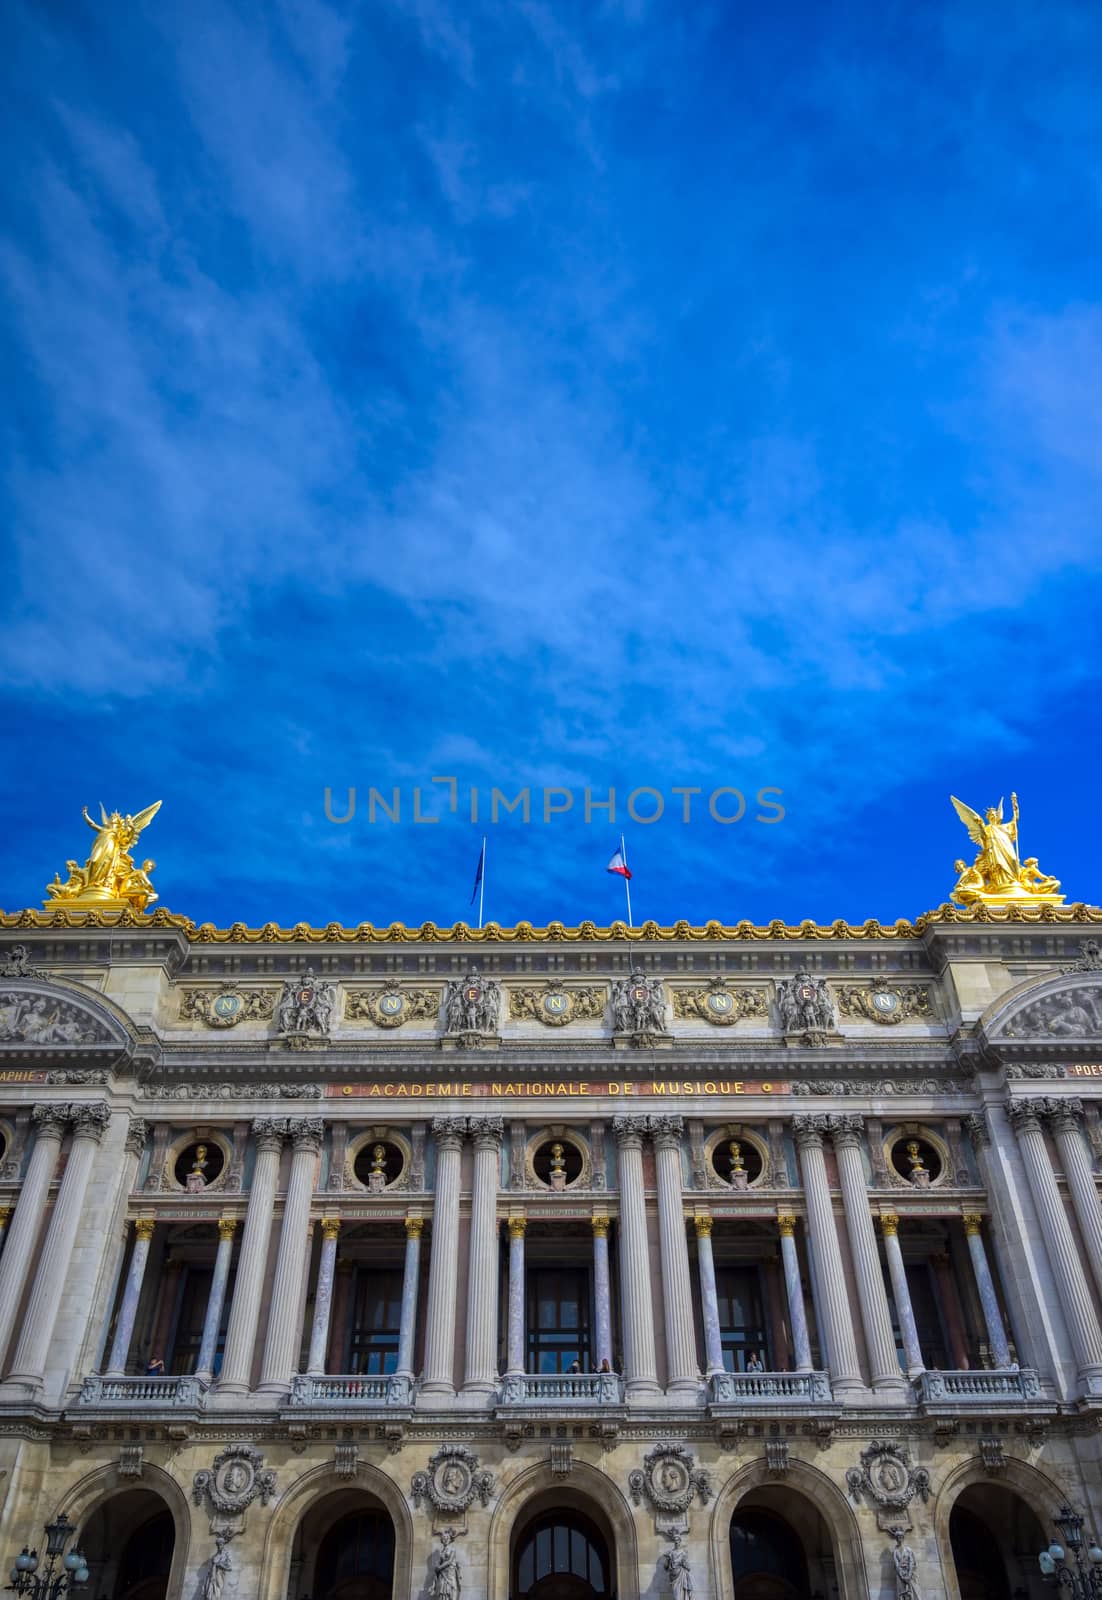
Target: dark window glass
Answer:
pixel 741 1320
pixel 561 1556
pixel 767 1558
pixel 376 1321
pixel 558 1319
pixel 356 1559
pixel 188 1336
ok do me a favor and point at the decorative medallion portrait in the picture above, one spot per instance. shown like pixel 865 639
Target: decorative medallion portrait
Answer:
pixel 452 1481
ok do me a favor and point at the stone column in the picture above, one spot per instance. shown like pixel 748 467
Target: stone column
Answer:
pixel 1065 1119
pixel 449 1133
pixel 1067 1269
pixel 212 1320
pixel 29 1362
pixel 5 1218
pixel 602 1292
pixel 411 1279
pixel 709 1300
pixel 515 1340
pixel 841 1347
pixel 252 1260
pixel 49 1123
pixel 281 1347
pixel 797 1313
pixel 483 1270
pixel 677 1295
pixel 124 1327
pixel 323 1296
pixel 871 1293
pixel 901 1294
pixel 641 1370
pixel 985 1283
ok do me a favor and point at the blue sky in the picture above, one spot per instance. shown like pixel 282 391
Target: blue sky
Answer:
pixel 550 394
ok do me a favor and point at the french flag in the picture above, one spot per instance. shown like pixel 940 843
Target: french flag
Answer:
pixel 619 865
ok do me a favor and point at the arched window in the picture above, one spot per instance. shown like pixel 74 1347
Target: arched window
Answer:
pixel 767 1558
pixel 356 1558
pixel 147 1560
pixel 562 1556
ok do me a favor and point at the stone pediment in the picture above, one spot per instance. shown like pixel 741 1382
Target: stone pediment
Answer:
pixel 41 1017
pixel 1051 1016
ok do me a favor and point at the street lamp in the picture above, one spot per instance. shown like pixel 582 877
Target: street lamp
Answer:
pixel 1084 1580
pixel 53 1581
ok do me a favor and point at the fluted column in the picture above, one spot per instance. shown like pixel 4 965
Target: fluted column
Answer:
pixel 483 1270
pixel 830 1280
pixel 284 1325
pixel 872 1296
pixel 1065 1119
pixel 985 1284
pixel 709 1300
pixel 1071 1283
pixel 602 1292
pixel 411 1278
pixel 323 1296
pixel 515 1339
pixel 49 1124
pixel 5 1218
pixel 793 1284
pixel 683 1371
pixel 641 1369
pixel 252 1260
pixel 901 1294
pixel 29 1363
pixel 124 1327
pixel 449 1133
pixel 216 1299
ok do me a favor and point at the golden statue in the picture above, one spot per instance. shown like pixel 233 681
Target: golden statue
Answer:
pixel 108 880
pixel 997 877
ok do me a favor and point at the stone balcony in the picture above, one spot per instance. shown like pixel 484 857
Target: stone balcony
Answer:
pixel 142 1394
pixel 982 1387
pixel 558 1390
pixel 395 1390
pixel 754 1389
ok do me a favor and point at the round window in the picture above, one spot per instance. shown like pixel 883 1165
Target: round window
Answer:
pixel 377 1164
pixel 198 1165
pixel 557 1163
pixel 916 1161
pixel 737 1161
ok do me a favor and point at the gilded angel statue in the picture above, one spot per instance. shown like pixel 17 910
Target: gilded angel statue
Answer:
pixel 997 876
pixel 109 879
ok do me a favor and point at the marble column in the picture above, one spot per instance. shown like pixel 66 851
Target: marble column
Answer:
pixel 49 1124
pixel 841 1346
pixel 683 1370
pixel 252 1261
pixel 411 1280
pixel 282 1345
pixel 485 1255
pixel 872 1296
pixel 709 1300
pixel 212 1319
pixel 449 1133
pixel 29 1362
pixel 1065 1119
pixel 124 1326
pixel 793 1284
pixel 641 1368
pixel 901 1294
pixel 515 1339
pixel 985 1284
pixel 602 1293
pixel 1067 1269
pixel 323 1296
pixel 5 1218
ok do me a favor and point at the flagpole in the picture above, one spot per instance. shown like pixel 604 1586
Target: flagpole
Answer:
pixel 482 882
pixel 627 891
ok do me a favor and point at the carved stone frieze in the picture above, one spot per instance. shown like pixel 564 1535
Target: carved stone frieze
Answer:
pixel 805 1007
pixel 639 1007
pixel 879 1086
pixel 669 1481
pixel 719 1004
pixel 881 1001
pixel 453 1480
pixel 15 963
pixel 227 1004
pixel 29 1017
pixel 886 1477
pixel 556 1003
pixel 231 1091
pixel 1074 1013
pixel 1090 957
pixel 235 1478
pixel 391 1006
pixel 305 1010
pixel 472 1009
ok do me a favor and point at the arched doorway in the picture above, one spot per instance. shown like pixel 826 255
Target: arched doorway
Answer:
pixel 344 1550
pixel 780 1546
pixel 128 1542
pixel 562 1550
pixel 995 1537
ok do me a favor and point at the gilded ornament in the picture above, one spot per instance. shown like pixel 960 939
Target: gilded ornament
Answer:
pixel 998 876
pixel 226 1006
pixel 108 880
pixel 884 1002
pixel 719 1004
pixel 556 1004
pixel 391 1007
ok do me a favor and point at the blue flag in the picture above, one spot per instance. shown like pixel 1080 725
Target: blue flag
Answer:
pixel 479 872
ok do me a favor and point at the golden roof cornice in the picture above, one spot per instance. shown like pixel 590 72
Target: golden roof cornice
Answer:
pixel 555 932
